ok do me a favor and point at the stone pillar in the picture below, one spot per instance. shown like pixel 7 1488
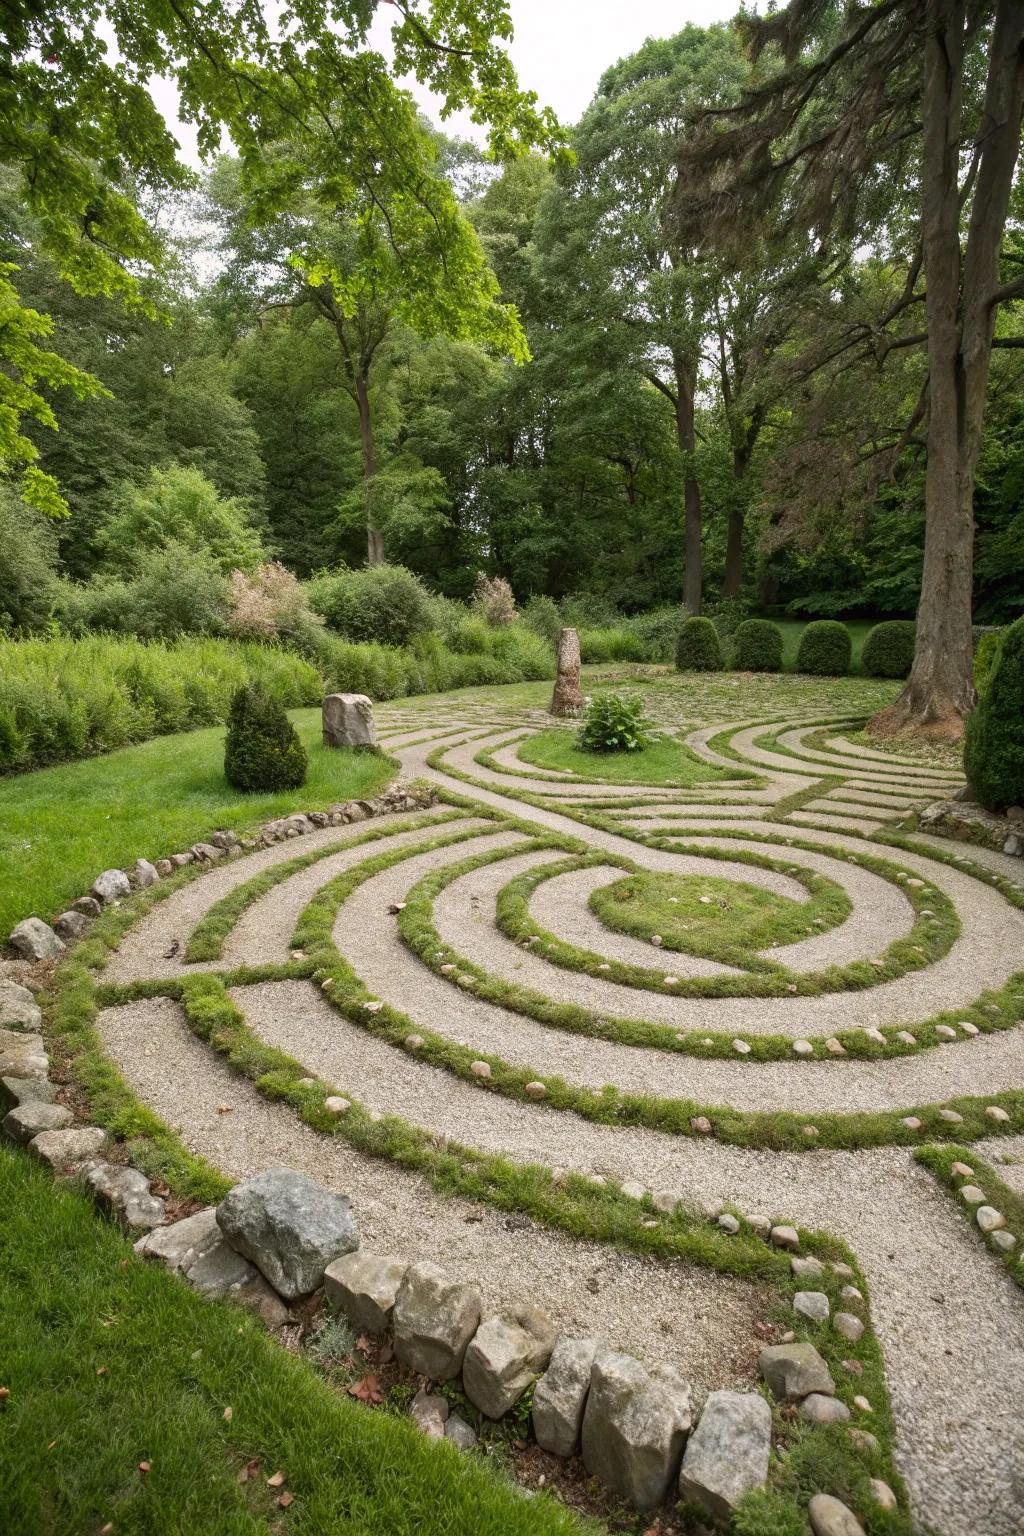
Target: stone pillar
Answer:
pixel 567 698
pixel 348 720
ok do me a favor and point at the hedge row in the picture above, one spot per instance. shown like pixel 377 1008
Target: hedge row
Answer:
pixel 825 648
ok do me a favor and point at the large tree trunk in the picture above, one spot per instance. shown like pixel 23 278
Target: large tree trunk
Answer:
pixel 374 537
pixel 940 690
pixel 734 531
pixel 686 437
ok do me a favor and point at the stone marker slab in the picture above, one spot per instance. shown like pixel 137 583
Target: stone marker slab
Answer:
pixel 348 720
pixel 567 698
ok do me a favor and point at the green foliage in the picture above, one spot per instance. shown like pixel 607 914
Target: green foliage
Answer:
pixel 28 556
pixel 994 741
pixel 614 723
pixel 262 750
pixel 698 648
pixel 984 656
pixel 613 644
pixel 757 646
pixel 384 603
pixel 180 509
pixel 825 649
pixel 658 632
pixel 889 649
pixel 173 590
pixel 540 613
pixel 65 698
pixel 764 1512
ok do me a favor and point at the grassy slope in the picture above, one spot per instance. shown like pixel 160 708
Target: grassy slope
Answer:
pixel 71 1440
pixel 663 762
pixel 60 826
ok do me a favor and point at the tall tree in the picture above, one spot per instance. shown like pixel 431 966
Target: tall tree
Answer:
pixel 857 102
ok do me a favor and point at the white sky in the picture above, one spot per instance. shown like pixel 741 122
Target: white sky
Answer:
pixel 560 50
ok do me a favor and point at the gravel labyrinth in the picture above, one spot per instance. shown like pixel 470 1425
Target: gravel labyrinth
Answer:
pixel 487 1001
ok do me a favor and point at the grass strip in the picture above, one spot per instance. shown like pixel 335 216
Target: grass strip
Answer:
pixel 939 1162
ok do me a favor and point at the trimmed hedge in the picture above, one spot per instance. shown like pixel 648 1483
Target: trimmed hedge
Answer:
pixel 698 648
pixel 994 741
pixel 889 649
pixel 825 649
pixel 262 749
pixel 757 646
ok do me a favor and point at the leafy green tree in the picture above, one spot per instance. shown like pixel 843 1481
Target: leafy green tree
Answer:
pixel 180 507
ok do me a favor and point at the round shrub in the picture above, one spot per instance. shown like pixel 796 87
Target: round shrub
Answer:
pixel 757 646
pixel 384 603
pixel 825 649
pixel 614 723
pixel 698 648
pixel 889 649
pixel 262 749
pixel 994 745
pixel 984 655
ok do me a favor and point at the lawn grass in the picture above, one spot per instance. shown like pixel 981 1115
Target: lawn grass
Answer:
pixel 664 762
pixel 113 1362
pixel 59 827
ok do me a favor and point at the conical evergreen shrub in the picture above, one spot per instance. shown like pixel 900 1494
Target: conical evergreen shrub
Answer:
pixel 994 743
pixel 262 749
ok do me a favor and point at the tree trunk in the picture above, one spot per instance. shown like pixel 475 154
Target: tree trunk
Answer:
pixel 734 532
pixel 374 537
pixel 940 690
pixel 687 440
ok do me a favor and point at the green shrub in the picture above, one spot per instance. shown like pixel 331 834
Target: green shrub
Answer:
pixel 825 649
pixel 262 749
pixel 657 632
pixel 889 649
pixel 172 591
pixel 589 610
pixel 28 558
pixel 470 637
pixel 385 603
pixel 984 656
pixel 614 723
pixel 614 644
pixel 542 616
pixel 698 648
pixel 757 646
pixel 727 614
pixel 994 742
pixel 522 655
pixel 179 507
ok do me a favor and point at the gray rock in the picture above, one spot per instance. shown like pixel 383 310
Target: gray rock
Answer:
pixel 111 885
pixel 791 1371
pixel 634 1426
pixel 813 1305
pixel 25 1090
pixel 430 1411
pixel 197 1249
pixel 87 905
pixel 35 940
pixel 364 1287
pixel 503 1357
pixel 289 1227
pixel 560 1395
pixel 785 1237
pixel 22 1055
pixel 864 1440
pixel 806 1268
pixel 144 874
pixel 567 698
pixel 728 1223
pixel 989 1219
pixel 70 926
pixel 459 1432
pixel 727 1454
pixel 28 1119
pixel 831 1517
pixel 183 1242
pixel 1004 1240
pixel 225 839
pixel 207 853
pixel 883 1493
pixel 124 1193
pixel 434 1319
pixel 348 720
pixel 849 1326
pixel 821 1409
pixel 68 1149
pixel 18 1008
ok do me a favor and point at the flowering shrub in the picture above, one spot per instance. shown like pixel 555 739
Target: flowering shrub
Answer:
pixel 494 600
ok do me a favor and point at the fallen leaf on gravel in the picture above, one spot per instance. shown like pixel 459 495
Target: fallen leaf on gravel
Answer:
pixel 250 1470
pixel 223 1109
pixel 368 1389
pixel 286 1499
pixel 763 1330
pixel 277 1481
pixel 172 949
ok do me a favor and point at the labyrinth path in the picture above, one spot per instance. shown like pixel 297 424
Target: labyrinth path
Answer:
pixel 493 979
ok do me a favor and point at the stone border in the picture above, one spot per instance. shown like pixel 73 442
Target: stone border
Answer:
pixel 994 1210
pixel 964 821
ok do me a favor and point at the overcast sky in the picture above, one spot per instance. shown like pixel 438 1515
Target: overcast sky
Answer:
pixel 561 48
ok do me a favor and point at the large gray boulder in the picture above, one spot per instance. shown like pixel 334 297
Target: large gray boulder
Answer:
pixel 124 1193
pixel 113 885
pixel 70 1148
pixel 634 1426
pixel 22 1055
pixel 35 940
pixel 792 1371
pixel 348 720
pixel 27 1120
pixel 197 1249
pixel 567 697
pixel 70 926
pixel 727 1454
pixel 289 1227
pixel 434 1319
pixel 560 1396
pixel 364 1288
pixel 503 1357
pixel 25 1090
pixel 18 1008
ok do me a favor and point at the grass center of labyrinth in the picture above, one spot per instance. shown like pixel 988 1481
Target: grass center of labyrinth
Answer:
pixel 666 762
pixel 718 919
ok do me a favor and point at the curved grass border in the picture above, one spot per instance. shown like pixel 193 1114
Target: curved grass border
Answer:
pixel 939 1163
pixel 485 759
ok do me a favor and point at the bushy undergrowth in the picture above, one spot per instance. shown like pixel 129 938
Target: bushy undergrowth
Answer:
pixel 757 646
pixel 889 649
pixel 262 750
pixel 825 649
pixel 994 743
pixel 385 604
pixel 613 722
